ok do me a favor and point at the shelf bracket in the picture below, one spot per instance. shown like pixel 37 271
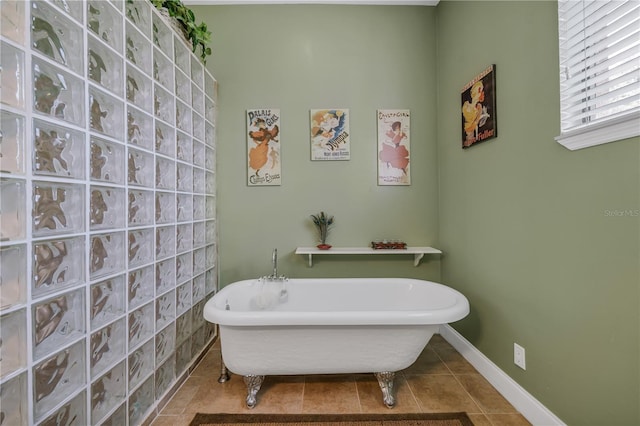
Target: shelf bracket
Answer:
pixel 310 260
pixel 417 258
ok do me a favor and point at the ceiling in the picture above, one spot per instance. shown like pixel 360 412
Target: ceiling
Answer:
pixel 356 2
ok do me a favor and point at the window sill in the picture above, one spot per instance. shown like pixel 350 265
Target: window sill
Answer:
pixel 598 134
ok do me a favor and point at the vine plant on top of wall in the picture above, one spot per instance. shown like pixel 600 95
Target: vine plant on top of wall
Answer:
pixel 199 35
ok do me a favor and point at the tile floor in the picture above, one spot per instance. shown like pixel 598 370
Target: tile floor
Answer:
pixel 440 380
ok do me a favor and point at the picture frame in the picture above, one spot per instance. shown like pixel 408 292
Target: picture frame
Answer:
pixel 394 146
pixel 478 108
pixel 329 131
pixel 263 147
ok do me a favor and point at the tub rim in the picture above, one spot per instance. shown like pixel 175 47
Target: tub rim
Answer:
pixel 214 313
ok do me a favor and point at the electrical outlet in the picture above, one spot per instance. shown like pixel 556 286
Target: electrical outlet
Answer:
pixel 518 356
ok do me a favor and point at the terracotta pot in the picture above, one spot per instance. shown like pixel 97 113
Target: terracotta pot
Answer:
pixel 323 246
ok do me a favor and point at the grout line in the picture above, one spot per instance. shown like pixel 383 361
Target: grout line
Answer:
pixel 443 362
pixel 357 393
pixel 304 385
pixel 455 376
pixel 413 394
pixel 476 402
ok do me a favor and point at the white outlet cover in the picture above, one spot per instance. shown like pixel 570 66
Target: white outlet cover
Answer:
pixel 519 356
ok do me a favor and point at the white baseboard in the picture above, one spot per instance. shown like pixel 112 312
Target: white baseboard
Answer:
pixel 536 413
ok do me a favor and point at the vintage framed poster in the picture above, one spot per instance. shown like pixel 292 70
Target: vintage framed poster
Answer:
pixel 478 100
pixel 394 147
pixel 330 134
pixel 263 147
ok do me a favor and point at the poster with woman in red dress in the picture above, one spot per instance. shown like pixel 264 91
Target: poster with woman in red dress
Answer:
pixel 394 147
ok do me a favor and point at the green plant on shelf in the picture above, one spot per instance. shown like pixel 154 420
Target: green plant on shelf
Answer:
pixel 323 223
pixel 199 35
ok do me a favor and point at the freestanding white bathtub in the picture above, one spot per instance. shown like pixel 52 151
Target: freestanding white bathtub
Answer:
pixel 329 326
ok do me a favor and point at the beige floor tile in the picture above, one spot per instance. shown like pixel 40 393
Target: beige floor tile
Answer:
pixel 280 394
pixel 226 397
pixel 177 420
pixel 453 360
pixel 441 393
pixel 479 420
pixel 370 396
pixel 514 419
pixel 485 395
pixel 180 400
pixel 438 342
pixel 210 380
pixel 330 394
pixel 427 363
pixel 210 364
pixel 183 396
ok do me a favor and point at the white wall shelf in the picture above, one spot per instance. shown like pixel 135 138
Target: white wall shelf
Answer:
pixel 417 252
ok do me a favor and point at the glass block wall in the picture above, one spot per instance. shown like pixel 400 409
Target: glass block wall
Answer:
pixel 107 210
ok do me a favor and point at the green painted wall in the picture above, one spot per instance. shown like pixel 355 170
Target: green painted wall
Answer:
pixel 530 227
pixel 543 241
pixel 298 58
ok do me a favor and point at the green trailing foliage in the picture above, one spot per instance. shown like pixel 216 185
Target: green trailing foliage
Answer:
pixel 199 35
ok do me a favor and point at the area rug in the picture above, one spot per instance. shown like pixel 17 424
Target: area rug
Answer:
pixel 408 419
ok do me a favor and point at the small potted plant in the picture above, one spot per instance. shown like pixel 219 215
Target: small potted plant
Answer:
pixel 322 222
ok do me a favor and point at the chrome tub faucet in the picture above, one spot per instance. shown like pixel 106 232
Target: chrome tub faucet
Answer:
pixel 274 262
pixel 274 276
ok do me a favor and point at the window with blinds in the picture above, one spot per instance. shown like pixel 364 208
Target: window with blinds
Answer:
pixel 599 71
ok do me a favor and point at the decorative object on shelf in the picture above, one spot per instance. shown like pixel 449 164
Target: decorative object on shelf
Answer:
pixel 263 147
pixel 478 98
pixel 388 245
pixel 330 134
pixel 394 147
pixel 323 222
pixel 198 34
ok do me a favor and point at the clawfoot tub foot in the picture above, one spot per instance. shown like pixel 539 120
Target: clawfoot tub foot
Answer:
pixel 385 380
pixel 224 373
pixel 253 386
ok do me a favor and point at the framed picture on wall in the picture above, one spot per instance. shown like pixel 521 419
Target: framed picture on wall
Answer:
pixel 330 134
pixel 478 107
pixel 263 147
pixel 394 147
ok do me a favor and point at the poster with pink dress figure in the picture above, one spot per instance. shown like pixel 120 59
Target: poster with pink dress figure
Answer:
pixel 394 147
pixel 263 147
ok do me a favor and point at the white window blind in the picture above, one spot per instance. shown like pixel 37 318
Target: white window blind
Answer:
pixel 599 71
